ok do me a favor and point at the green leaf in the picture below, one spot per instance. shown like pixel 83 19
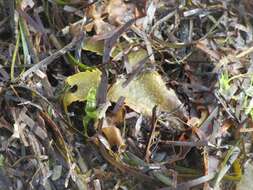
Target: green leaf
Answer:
pixel 75 62
pixel 224 81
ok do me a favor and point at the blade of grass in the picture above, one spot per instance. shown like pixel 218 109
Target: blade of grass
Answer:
pixel 14 57
pixel 229 159
pixel 27 36
pixel 27 57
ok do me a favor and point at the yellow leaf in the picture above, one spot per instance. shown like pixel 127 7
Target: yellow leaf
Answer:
pixel 94 46
pixel 144 92
pixel 134 57
pixel 81 82
pixel 97 46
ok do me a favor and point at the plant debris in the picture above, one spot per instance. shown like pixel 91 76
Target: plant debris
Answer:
pixel 123 94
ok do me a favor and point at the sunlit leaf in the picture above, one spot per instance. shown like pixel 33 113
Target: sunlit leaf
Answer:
pixel 249 91
pixel 144 92
pixel 237 171
pixel 80 84
pixel 94 46
pixel 90 108
pixel 134 57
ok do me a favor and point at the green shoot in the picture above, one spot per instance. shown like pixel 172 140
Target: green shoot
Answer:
pixel 90 109
pixel 75 62
pixel 224 81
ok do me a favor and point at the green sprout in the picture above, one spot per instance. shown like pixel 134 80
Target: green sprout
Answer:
pixel 90 109
pixel 224 81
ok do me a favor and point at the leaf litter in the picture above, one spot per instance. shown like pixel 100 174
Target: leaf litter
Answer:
pixel 126 94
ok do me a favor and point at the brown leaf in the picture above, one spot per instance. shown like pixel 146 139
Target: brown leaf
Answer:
pixel 119 12
pixel 113 135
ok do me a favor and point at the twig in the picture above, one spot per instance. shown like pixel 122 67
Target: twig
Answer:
pixel 45 62
pixel 164 19
pixel 152 134
pixel 244 53
pixel 136 72
pixel 185 143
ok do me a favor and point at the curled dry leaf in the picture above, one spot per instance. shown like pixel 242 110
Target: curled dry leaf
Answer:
pixel 193 122
pixel 144 92
pixel 100 26
pixel 80 84
pixel 113 135
pixel 120 12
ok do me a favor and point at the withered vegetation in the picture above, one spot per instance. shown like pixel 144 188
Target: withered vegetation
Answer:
pixel 125 95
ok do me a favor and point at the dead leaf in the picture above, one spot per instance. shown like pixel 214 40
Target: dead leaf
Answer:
pixel 102 27
pixel 193 122
pixel 120 12
pixel 144 92
pixel 113 135
pixel 111 40
pixel 96 11
pixel 27 3
pixel 202 45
